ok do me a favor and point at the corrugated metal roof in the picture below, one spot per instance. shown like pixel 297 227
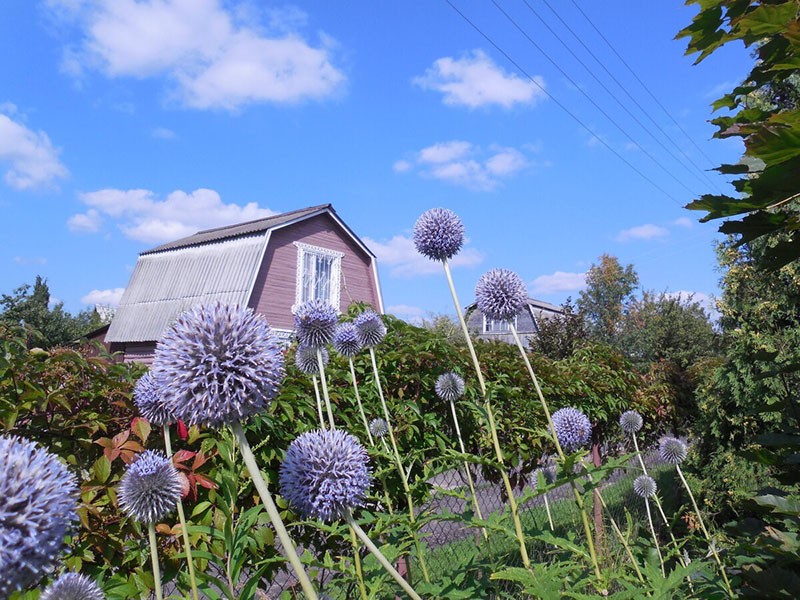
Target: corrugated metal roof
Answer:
pixel 232 231
pixel 166 283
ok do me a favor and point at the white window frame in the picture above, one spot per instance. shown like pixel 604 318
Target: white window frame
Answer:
pixel 336 272
pixel 487 321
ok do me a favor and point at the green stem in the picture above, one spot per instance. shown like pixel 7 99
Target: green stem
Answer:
pixel 358 400
pixel 705 532
pixel 182 517
pixel 512 501
pixel 466 469
pixel 621 537
pixel 399 462
pixel 272 511
pixel 357 561
pixel 319 403
pixel 549 516
pixel 655 537
pixel 151 531
pixel 380 557
pixel 325 387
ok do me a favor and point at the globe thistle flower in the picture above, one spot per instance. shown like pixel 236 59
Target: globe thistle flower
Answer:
pixel 630 421
pixel 378 427
pixel 573 428
pixel 672 450
pixel 147 397
pixel 38 500
pixel 438 234
pixel 218 364
pixel 345 340
pixel 73 586
pixel 325 473
pixel 370 328
pixel 500 294
pixel 306 359
pixel 645 486
pixel 315 323
pixel 449 386
pixel 150 488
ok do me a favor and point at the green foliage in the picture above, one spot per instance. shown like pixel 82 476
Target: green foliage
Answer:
pixel 609 286
pixel 558 337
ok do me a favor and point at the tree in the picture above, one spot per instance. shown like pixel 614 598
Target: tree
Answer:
pixel 609 286
pixel 559 336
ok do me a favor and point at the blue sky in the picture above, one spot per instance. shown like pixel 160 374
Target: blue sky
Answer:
pixel 124 124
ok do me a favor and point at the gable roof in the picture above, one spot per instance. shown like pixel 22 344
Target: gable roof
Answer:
pixel 213 265
pixel 533 304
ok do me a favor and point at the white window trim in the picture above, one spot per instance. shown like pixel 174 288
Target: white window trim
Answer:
pixel 336 272
pixel 497 332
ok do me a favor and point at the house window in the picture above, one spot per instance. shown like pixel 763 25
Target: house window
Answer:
pixel 318 274
pixel 492 326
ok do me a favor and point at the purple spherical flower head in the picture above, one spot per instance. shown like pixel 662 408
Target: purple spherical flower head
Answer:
pixel 325 474
pixel 449 386
pixel 438 234
pixel 38 503
pixel 218 364
pixel 573 428
pixel 672 450
pixel 370 328
pixel 345 340
pixel 630 421
pixel 500 294
pixel 150 488
pixel 645 486
pixel 147 397
pixel 378 427
pixel 73 586
pixel 315 323
pixel 305 359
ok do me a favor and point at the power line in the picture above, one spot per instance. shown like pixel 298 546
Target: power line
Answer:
pixel 560 105
pixel 642 83
pixel 591 100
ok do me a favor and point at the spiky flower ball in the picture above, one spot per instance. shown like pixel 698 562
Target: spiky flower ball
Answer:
pixel 306 359
pixel 38 500
pixel 645 486
pixel 369 328
pixel 378 427
pixel 315 323
pixel 148 400
pixel 73 586
pixel 325 473
pixel 449 386
pixel 630 421
pixel 438 234
pixel 500 294
pixel 672 450
pixel 573 428
pixel 218 364
pixel 345 340
pixel 150 488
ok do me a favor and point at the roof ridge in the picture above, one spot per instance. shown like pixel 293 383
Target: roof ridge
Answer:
pixel 283 214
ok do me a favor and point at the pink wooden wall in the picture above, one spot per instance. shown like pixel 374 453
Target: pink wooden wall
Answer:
pixel 274 291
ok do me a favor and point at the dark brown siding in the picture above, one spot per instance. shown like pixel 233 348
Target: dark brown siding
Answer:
pixel 140 352
pixel 274 291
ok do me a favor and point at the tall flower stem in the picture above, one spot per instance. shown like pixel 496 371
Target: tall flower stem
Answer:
pixel 151 531
pixel 512 501
pixel 705 532
pixel 655 537
pixel 358 400
pixel 467 471
pixel 357 562
pixel 400 469
pixel 325 387
pixel 549 516
pixel 182 517
pixel 578 498
pixel 272 511
pixel 322 423
pixel 380 557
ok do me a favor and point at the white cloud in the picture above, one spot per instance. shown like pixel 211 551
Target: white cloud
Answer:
pixel 410 314
pixel 463 164
pixel 32 159
pixel 401 257
pixel 211 50
pixel 475 81
pixel 30 260
pixel 162 133
pixel 559 281
pixel 104 297
pixel 683 222
pixel 144 217
pixel 642 232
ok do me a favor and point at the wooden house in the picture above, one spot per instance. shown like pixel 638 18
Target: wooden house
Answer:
pixel 526 323
pixel 271 265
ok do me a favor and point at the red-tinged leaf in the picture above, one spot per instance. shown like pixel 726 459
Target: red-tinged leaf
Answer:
pixel 111 453
pixel 182 456
pixel 121 438
pixel 201 459
pixel 185 486
pixel 141 427
pixel 131 446
pixel 204 481
pixel 183 432
pixel 104 442
pixel 165 529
